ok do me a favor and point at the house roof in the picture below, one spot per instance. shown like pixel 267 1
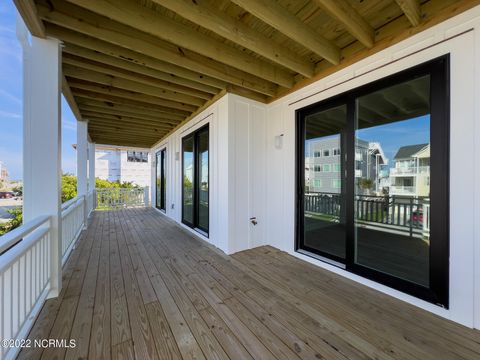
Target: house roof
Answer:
pixel 409 150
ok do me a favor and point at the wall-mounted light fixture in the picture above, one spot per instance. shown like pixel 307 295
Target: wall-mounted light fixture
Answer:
pixel 279 141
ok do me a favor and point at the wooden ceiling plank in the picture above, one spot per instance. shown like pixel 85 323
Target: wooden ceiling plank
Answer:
pixel 72 71
pixel 134 111
pixel 114 112
pixel 281 19
pixel 411 9
pixel 355 24
pixel 28 12
pixel 209 17
pixel 163 27
pixel 109 90
pixel 102 97
pixel 132 76
pixel 67 93
pixel 141 52
pixel 119 118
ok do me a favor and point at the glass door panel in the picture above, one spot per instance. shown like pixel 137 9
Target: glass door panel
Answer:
pixel 188 180
pixel 202 150
pixel 392 181
pixel 158 179
pixel 323 217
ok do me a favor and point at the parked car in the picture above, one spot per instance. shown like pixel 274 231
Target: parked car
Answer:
pixel 6 194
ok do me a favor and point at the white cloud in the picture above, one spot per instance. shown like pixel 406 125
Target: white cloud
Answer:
pixel 11 97
pixel 8 114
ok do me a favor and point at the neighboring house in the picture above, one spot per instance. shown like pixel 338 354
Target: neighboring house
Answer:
pixel 323 165
pixel 123 164
pixel 3 172
pixel 411 174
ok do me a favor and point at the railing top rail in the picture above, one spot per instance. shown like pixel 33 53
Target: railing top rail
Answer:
pixel 12 237
pixel 71 202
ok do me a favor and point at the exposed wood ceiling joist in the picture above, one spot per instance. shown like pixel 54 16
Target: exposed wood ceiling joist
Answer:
pixel 281 19
pixel 76 72
pixel 411 8
pixel 350 18
pixel 28 10
pixel 132 76
pixel 203 14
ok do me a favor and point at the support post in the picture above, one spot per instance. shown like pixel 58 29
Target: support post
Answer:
pixel 146 196
pixel 82 158
pixel 42 140
pixel 91 172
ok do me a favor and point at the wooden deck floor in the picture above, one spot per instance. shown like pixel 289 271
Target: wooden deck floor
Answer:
pixel 139 286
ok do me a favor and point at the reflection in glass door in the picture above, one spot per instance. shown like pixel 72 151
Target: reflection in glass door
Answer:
pixel 195 210
pixel 161 180
pixel 323 213
pixel 373 181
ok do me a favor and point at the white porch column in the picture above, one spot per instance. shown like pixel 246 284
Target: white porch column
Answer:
pixel 42 139
pixel 91 166
pixel 82 157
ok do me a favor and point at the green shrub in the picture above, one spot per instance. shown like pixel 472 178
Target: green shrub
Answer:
pixel 14 222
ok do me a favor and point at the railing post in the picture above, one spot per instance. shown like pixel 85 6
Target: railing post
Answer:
pixel 146 196
pixel 91 174
pixel 42 141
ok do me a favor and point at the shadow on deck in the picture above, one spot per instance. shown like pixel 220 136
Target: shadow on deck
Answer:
pixel 139 286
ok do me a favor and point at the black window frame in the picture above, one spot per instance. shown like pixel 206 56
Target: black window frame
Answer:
pixel 163 171
pixel 196 179
pixel 439 71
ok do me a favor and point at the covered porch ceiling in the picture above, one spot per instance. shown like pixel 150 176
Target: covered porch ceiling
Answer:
pixel 137 69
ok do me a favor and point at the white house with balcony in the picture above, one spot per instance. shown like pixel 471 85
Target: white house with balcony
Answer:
pixel 411 174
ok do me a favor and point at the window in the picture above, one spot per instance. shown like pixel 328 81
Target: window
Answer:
pixel 336 151
pixel 317 168
pixel 326 152
pixel 317 154
pixel 317 183
pixel 356 225
pixel 137 156
pixel 161 179
pixel 195 209
pixel 326 168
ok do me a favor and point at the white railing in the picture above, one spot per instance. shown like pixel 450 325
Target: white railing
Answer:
pixel 402 190
pixel 73 215
pixel 24 280
pixel 121 198
pixel 411 170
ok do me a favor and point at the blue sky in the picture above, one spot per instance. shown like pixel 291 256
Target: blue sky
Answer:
pixel 395 135
pixel 11 101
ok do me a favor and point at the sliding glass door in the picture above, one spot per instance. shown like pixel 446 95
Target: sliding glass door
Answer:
pixel 372 181
pixel 195 159
pixel 161 179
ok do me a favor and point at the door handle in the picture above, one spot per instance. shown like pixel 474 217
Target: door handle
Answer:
pixel 253 220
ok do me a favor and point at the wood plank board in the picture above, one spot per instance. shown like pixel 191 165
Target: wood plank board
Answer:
pixel 140 286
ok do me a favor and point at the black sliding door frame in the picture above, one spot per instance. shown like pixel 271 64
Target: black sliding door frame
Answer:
pixel 162 189
pixel 196 161
pixel 438 290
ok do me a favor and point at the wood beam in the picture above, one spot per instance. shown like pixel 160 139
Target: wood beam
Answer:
pixel 288 24
pixel 117 142
pixel 105 79
pixel 28 12
pixel 411 9
pixel 125 119
pixel 83 54
pixel 209 17
pixel 106 111
pixel 67 94
pixel 130 110
pixel 109 90
pixel 138 51
pixel 91 95
pixel 355 24
pixel 163 27
pixel 153 134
